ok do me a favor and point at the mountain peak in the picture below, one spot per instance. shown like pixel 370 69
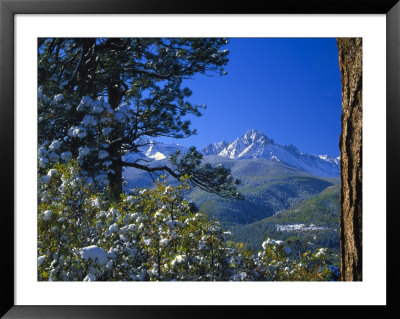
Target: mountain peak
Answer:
pixel 254 135
pixel 254 144
pixel 254 131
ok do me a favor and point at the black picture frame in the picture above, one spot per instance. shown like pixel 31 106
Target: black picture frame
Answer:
pixel 9 8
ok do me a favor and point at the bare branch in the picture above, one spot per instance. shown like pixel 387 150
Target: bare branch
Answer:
pixel 152 169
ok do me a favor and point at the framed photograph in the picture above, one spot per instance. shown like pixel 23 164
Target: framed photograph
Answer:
pixel 98 100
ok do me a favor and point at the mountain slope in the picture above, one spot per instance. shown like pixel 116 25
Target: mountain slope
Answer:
pixel 315 220
pixel 269 187
pixel 254 144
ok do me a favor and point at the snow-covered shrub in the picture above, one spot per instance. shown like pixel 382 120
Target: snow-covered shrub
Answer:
pixel 275 262
pixel 150 234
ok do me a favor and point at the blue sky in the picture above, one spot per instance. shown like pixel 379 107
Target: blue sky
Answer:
pixel 288 88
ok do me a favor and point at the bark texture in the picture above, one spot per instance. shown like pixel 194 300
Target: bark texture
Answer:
pixel 115 178
pixel 350 63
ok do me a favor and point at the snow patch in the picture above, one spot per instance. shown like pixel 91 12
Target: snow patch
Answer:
pixel 58 98
pixel 84 151
pixel 66 156
pixel 103 154
pixel 90 277
pixel 299 227
pixel 47 215
pixel 55 145
pixel 94 253
pixel 41 260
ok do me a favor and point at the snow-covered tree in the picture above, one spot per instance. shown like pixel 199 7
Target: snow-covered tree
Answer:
pixel 151 234
pixel 100 98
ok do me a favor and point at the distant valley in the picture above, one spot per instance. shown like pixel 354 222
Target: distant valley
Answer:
pixel 287 193
pixel 315 221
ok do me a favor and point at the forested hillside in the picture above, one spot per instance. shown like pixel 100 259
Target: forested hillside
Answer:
pixel 313 223
pixel 268 187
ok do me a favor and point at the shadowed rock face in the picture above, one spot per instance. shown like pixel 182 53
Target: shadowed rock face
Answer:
pixel 350 62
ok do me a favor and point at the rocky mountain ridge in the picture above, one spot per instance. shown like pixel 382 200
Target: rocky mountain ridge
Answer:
pixel 254 144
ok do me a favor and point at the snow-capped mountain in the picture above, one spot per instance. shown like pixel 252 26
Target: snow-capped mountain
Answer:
pixel 215 148
pixel 153 150
pixel 159 151
pixel 254 144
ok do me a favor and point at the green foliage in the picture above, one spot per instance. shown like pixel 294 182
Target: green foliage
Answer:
pixel 103 98
pixel 309 266
pixel 211 179
pixel 150 234
pixel 273 189
pixel 322 211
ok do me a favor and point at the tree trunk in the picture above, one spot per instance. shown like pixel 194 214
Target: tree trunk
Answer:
pixel 115 176
pixel 350 63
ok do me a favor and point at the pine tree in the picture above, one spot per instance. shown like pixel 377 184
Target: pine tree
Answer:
pixel 101 98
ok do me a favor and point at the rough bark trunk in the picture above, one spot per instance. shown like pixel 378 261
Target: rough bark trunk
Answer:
pixel 350 63
pixel 115 178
